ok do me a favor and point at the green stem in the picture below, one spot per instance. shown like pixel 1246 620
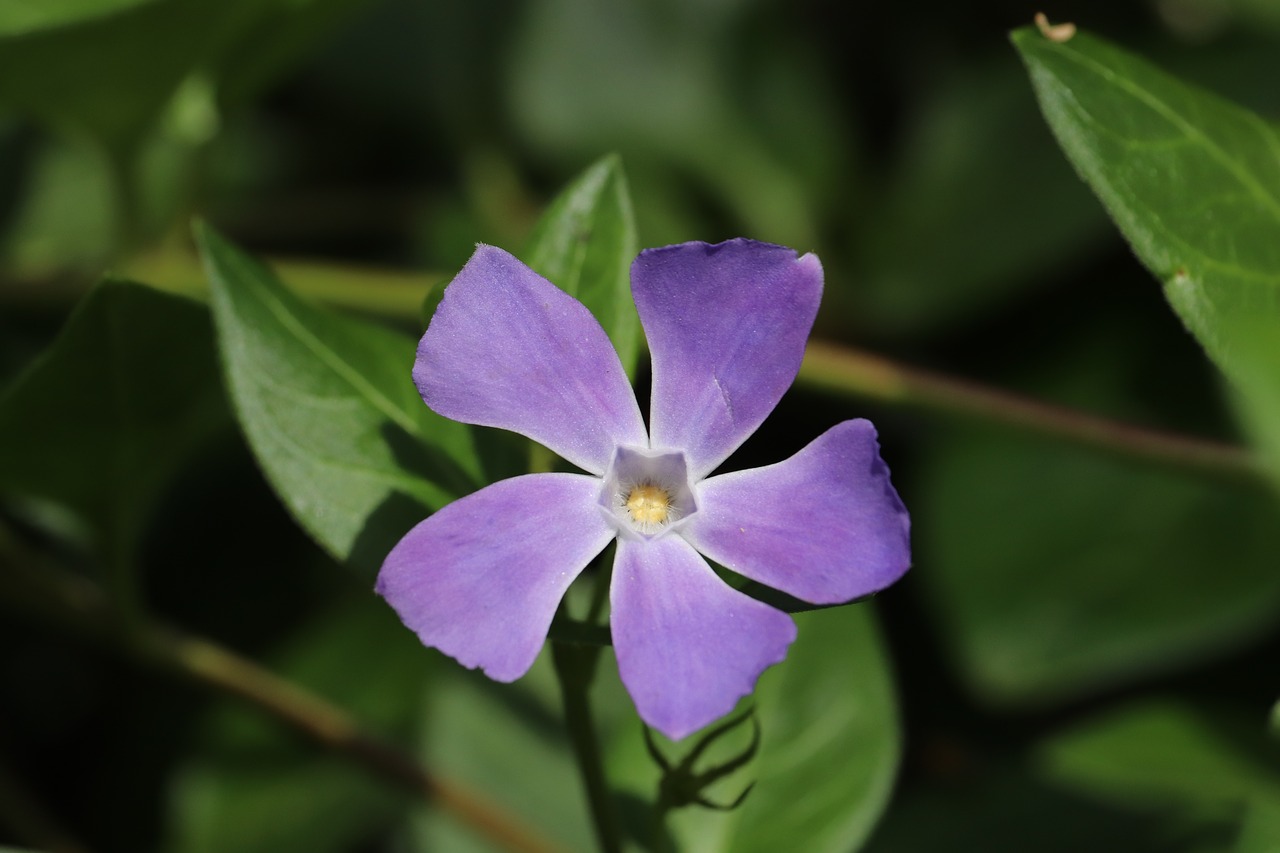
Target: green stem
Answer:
pixel 848 371
pixel 575 667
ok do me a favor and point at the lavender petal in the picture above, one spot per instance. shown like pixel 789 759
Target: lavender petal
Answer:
pixel 688 645
pixel 509 349
pixel 825 526
pixel 481 579
pixel 727 326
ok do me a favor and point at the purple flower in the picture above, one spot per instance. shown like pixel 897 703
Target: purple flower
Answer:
pixel 726 324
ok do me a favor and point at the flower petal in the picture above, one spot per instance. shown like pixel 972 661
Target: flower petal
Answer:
pixel 480 579
pixel 507 348
pixel 825 525
pixel 688 644
pixel 726 326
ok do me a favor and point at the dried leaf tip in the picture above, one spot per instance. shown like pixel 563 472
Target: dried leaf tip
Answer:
pixel 1054 32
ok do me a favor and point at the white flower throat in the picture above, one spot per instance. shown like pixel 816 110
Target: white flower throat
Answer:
pixel 647 492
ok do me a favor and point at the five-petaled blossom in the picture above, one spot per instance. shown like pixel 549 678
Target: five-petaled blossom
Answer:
pixel 726 324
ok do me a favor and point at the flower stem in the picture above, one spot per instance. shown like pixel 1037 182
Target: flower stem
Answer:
pixel 575 667
pixel 848 371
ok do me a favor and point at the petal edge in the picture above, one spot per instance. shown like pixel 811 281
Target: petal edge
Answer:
pixel 688 645
pixel 825 525
pixel 481 579
pixel 507 348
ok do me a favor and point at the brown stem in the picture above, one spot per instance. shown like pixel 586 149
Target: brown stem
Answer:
pixel 80 606
pixel 850 371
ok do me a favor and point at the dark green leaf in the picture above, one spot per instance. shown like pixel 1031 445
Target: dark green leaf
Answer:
pixel 101 421
pixel 509 741
pixel 963 225
pixel 1194 183
pixel 330 410
pixel 111 76
pixel 23 16
pixel 1161 753
pixel 585 243
pixel 254 787
pixel 1056 570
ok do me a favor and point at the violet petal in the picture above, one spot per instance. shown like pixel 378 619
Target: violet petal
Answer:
pixel 825 526
pixel 507 348
pixel 481 579
pixel 688 645
pixel 726 326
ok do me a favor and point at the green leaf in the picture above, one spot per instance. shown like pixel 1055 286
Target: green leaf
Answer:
pixel 102 420
pixel 830 750
pixel 110 76
pixel 585 242
pixel 1193 182
pixel 254 787
pixel 1057 570
pixel 331 413
pixel 507 740
pixel 1160 753
pixel 831 731
pixel 18 17
pixel 1261 830
pixel 955 188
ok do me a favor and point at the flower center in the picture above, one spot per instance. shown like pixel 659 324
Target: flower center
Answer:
pixel 645 492
pixel 649 504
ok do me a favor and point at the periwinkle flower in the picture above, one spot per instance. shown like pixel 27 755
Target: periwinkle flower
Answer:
pixel 481 579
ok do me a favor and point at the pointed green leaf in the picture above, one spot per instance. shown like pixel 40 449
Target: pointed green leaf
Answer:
pixel 1194 183
pixel 330 410
pixel 585 242
pixel 101 421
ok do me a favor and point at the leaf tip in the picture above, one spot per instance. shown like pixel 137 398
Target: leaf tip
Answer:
pixel 1054 32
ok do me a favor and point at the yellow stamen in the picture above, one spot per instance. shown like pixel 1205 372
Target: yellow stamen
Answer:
pixel 648 504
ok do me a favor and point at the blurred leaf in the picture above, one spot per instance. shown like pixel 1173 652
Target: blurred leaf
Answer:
pixel 253 787
pixel 830 749
pixel 1193 182
pixel 1261 830
pixel 67 217
pixel 1161 753
pixel 662 81
pixel 330 410
pixel 111 76
pixel 963 801
pixel 18 17
pixel 962 224
pixel 585 242
pixel 509 741
pixel 101 421
pixel 1056 570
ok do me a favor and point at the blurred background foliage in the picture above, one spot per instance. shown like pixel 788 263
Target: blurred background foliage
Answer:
pixel 1084 653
